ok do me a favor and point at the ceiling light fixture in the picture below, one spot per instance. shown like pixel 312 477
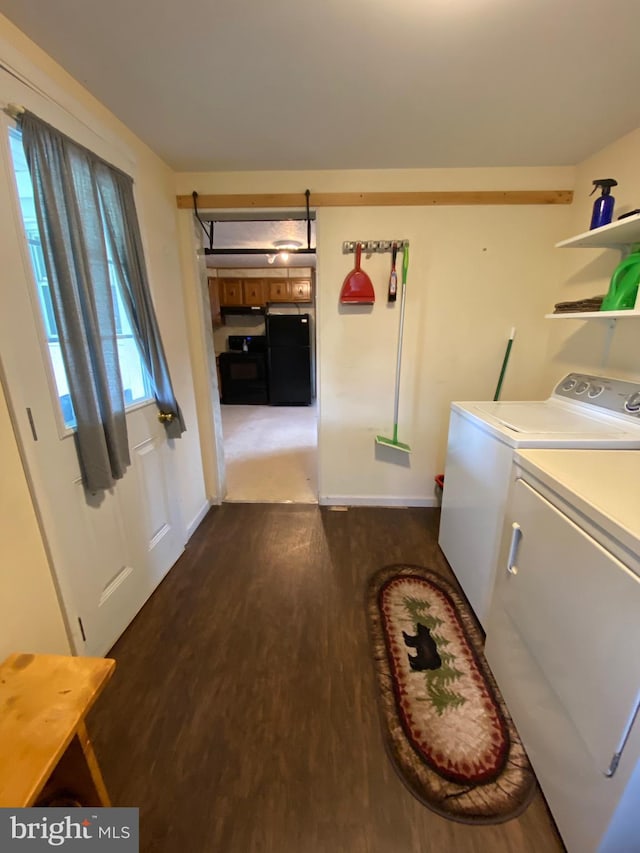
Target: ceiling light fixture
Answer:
pixel 286 246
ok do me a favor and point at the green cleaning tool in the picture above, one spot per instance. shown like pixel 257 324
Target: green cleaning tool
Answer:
pixel 505 361
pixel 381 439
pixel 623 288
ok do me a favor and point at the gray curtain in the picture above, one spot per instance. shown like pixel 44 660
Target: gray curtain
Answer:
pixel 73 241
pixel 116 193
pixel 81 201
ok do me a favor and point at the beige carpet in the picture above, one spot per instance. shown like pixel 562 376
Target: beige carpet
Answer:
pixel 271 453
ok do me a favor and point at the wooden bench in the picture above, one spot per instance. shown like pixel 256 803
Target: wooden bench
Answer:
pixel 45 751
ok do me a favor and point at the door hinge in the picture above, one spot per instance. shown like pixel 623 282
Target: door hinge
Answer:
pixel 32 425
pixel 84 636
pixel 614 764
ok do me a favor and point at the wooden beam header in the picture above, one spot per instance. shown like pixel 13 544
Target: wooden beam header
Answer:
pixel 375 199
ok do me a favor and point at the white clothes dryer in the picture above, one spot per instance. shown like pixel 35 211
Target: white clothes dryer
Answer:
pixel 563 635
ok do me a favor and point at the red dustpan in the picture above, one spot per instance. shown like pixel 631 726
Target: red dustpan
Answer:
pixel 357 288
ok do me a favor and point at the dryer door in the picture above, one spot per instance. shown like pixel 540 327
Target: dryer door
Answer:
pixel 576 607
pixel 562 641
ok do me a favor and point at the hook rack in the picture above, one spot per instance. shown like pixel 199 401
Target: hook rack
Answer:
pixel 371 246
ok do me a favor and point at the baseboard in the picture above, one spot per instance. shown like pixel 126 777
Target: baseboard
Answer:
pixel 195 522
pixel 374 500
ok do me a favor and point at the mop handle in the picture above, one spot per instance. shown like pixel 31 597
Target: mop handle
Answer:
pixel 505 361
pixel 405 269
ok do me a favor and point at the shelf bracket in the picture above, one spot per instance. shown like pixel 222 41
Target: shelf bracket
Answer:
pixel 611 326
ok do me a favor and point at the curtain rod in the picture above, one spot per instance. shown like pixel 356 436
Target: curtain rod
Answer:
pixel 19 109
pixel 15 111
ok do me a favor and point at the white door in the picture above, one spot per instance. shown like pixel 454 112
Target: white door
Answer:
pixel 108 551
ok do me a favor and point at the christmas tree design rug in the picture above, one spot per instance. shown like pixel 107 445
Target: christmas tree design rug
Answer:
pixel 446 727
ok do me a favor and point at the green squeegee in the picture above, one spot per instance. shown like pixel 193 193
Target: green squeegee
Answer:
pixel 382 439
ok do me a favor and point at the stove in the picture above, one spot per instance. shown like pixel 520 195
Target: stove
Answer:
pixel 243 371
pixel 247 343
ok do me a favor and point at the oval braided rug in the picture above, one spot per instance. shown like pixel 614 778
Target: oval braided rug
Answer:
pixel 446 726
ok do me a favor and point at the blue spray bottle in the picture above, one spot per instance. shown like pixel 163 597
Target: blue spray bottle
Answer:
pixel 603 205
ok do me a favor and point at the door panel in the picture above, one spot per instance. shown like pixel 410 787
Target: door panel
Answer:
pixel 230 291
pixel 253 292
pixel 104 582
pixel 150 465
pixel 289 375
pixel 300 290
pixel 149 471
pixel 279 290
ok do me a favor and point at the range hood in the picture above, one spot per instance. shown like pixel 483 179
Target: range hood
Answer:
pixel 227 310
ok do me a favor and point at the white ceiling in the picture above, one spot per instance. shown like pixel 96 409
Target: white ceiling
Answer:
pixel 337 84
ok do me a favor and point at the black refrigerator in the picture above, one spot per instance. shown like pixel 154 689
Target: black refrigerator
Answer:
pixel 289 359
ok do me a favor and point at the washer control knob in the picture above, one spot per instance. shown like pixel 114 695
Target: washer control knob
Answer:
pixel 595 391
pixel 581 387
pixel 569 384
pixel 632 403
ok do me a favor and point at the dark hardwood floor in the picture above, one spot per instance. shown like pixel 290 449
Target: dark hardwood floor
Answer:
pixel 242 716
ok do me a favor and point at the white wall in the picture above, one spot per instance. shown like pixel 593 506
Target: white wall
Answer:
pixel 30 616
pixel 72 108
pixel 590 346
pixel 475 272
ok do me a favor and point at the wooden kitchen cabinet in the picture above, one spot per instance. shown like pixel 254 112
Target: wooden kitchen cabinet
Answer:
pixel 230 290
pixel 289 290
pixel 279 290
pixel 236 292
pixel 254 291
pixel 300 289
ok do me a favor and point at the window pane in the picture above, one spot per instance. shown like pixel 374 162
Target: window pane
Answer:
pixel 25 195
pixel 134 377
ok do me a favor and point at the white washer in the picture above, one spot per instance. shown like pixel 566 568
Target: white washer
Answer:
pixel 583 412
pixel 563 635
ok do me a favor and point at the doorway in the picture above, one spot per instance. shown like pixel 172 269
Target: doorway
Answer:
pixel 270 453
pixel 259 270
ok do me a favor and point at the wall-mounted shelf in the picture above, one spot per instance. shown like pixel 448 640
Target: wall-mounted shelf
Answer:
pixel 616 235
pixel 620 235
pixel 592 315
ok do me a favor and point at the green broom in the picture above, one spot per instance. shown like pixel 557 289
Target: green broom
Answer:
pixel 382 439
